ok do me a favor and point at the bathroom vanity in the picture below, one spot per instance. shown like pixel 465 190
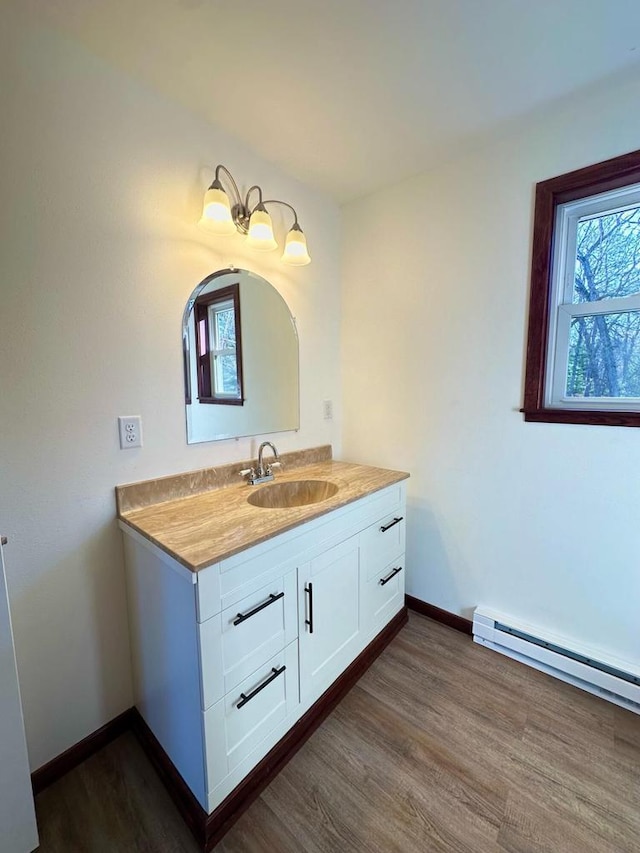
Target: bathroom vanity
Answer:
pixel 244 618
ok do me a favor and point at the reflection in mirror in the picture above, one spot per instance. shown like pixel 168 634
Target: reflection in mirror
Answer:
pixel 219 346
pixel 240 359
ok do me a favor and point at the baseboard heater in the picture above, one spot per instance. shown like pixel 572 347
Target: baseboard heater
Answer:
pixel 615 680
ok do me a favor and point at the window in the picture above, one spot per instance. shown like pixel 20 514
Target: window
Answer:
pixel 583 351
pixel 219 347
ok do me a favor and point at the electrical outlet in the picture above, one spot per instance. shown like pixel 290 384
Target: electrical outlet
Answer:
pixel 327 409
pixel 130 430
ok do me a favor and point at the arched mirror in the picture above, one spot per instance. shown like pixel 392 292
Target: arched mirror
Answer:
pixel 240 348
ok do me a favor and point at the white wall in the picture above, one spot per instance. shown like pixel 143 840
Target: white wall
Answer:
pixel 537 520
pixel 102 181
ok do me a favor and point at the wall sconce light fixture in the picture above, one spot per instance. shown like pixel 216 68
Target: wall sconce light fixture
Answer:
pixel 223 216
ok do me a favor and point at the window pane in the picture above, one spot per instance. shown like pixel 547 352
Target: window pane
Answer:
pixel 604 356
pixel 225 328
pixel 226 375
pixel 607 256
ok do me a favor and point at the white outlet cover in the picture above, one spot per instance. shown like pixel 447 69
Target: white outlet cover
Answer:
pixel 130 431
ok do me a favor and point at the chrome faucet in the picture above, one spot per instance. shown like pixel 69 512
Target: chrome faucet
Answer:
pixel 262 473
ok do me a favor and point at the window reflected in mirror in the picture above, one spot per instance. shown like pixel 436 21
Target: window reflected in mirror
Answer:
pixel 219 346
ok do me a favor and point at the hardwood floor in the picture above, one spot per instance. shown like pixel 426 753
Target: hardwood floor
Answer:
pixel 442 746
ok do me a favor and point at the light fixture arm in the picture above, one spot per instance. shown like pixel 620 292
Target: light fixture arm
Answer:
pixel 262 203
pixel 237 198
pixel 246 198
pixel 286 204
pixel 239 210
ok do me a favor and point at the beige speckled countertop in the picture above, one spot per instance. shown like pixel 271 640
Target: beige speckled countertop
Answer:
pixel 204 528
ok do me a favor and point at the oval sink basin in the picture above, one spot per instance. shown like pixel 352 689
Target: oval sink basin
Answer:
pixel 292 494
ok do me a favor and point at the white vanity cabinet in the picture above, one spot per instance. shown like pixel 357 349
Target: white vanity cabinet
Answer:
pixel 227 659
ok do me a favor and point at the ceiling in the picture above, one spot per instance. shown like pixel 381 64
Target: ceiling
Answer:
pixel 353 95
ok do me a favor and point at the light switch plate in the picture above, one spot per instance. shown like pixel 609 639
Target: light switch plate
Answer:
pixel 130 431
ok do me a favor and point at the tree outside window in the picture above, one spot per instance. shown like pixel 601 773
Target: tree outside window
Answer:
pixel 604 348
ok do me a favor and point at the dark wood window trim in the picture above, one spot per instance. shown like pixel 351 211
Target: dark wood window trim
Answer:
pixel 591 180
pixel 201 315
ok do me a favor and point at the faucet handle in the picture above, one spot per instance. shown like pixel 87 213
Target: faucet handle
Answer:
pixel 268 471
pixel 247 472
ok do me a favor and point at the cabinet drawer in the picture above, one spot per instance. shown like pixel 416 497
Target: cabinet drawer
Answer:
pixel 383 594
pixel 243 637
pixel 235 726
pixel 383 541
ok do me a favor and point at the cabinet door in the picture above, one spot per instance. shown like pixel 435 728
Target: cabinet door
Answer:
pixel 329 608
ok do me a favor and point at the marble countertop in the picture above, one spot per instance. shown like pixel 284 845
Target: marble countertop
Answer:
pixel 204 528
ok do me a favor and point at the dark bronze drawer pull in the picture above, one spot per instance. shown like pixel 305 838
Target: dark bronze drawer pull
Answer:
pixel 242 616
pixel 396 571
pixel 391 524
pixel 244 698
pixel 309 591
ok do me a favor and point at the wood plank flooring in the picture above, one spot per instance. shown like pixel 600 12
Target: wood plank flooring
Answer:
pixel 442 746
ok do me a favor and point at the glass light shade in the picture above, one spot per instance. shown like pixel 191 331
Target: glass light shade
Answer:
pixel 295 248
pixel 216 212
pixel 260 234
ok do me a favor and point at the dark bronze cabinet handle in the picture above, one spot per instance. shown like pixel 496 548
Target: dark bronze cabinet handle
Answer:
pixel 396 571
pixel 3 540
pixel 242 616
pixel 244 698
pixel 391 524
pixel 309 591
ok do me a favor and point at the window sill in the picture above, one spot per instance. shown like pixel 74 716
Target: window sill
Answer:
pixel 219 401
pixel 582 416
